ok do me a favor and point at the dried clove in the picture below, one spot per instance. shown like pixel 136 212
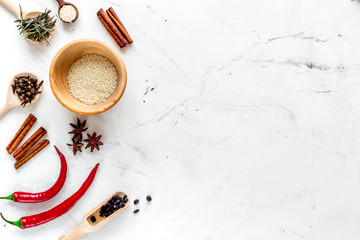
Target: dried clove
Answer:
pixel 26 88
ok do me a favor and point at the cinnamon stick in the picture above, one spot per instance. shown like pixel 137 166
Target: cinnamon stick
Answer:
pixel 29 143
pixel 113 35
pixel 112 11
pixel 111 28
pixel 21 133
pixel 40 146
pixel 115 18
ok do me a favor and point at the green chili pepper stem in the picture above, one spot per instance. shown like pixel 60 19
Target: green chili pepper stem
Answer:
pixel 10 197
pixel 15 223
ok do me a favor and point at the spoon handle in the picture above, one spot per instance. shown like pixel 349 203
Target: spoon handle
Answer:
pixel 75 233
pixel 11 7
pixel 60 2
pixel 4 108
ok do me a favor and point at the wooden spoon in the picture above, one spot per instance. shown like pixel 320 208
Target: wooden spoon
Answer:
pixel 87 225
pixel 16 11
pixel 12 99
pixel 63 3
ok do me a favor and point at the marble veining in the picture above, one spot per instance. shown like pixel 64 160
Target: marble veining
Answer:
pixel 240 118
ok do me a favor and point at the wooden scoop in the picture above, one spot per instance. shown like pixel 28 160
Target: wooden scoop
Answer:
pixel 13 99
pixel 89 226
pixel 16 11
pixel 61 4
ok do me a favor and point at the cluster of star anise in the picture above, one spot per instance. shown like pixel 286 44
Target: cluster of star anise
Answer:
pixel 92 141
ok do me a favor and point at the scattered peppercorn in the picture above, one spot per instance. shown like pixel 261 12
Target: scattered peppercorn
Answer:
pixel 136 201
pixel 148 198
pixel 136 211
pixel 93 219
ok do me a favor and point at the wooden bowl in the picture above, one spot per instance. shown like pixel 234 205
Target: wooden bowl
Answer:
pixel 66 57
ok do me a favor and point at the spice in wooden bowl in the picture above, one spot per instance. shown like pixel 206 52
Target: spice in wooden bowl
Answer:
pixel 92 79
pixel 68 13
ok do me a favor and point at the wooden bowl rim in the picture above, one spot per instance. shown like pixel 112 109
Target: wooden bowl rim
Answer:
pixel 115 97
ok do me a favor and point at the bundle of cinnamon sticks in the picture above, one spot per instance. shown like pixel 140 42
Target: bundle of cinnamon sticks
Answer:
pixel 24 153
pixel 114 26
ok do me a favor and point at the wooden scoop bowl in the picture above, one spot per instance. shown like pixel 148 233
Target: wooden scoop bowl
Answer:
pixel 16 11
pixel 61 4
pixel 12 99
pixel 87 225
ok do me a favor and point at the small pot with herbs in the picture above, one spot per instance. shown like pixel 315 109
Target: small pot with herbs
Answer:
pixel 38 28
pixel 35 26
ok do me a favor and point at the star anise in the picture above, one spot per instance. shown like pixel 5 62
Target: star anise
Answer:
pixel 93 142
pixel 76 146
pixel 79 128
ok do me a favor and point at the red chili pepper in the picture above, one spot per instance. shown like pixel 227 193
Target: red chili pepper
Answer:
pixel 25 197
pixel 64 207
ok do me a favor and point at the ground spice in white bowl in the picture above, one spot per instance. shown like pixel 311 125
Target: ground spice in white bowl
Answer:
pixel 92 79
pixel 67 13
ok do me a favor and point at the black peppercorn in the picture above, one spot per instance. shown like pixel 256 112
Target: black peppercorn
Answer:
pixel 136 211
pixel 148 198
pixel 136 201
pixel 113 205
pixel 93 219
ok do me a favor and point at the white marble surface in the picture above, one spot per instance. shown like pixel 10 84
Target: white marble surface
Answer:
pixel 240 118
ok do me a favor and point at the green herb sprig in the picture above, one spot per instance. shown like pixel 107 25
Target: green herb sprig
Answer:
pixel 37 28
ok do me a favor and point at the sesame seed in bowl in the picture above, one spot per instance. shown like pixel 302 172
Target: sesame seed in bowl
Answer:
pixel 87 76
pixel 92 79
